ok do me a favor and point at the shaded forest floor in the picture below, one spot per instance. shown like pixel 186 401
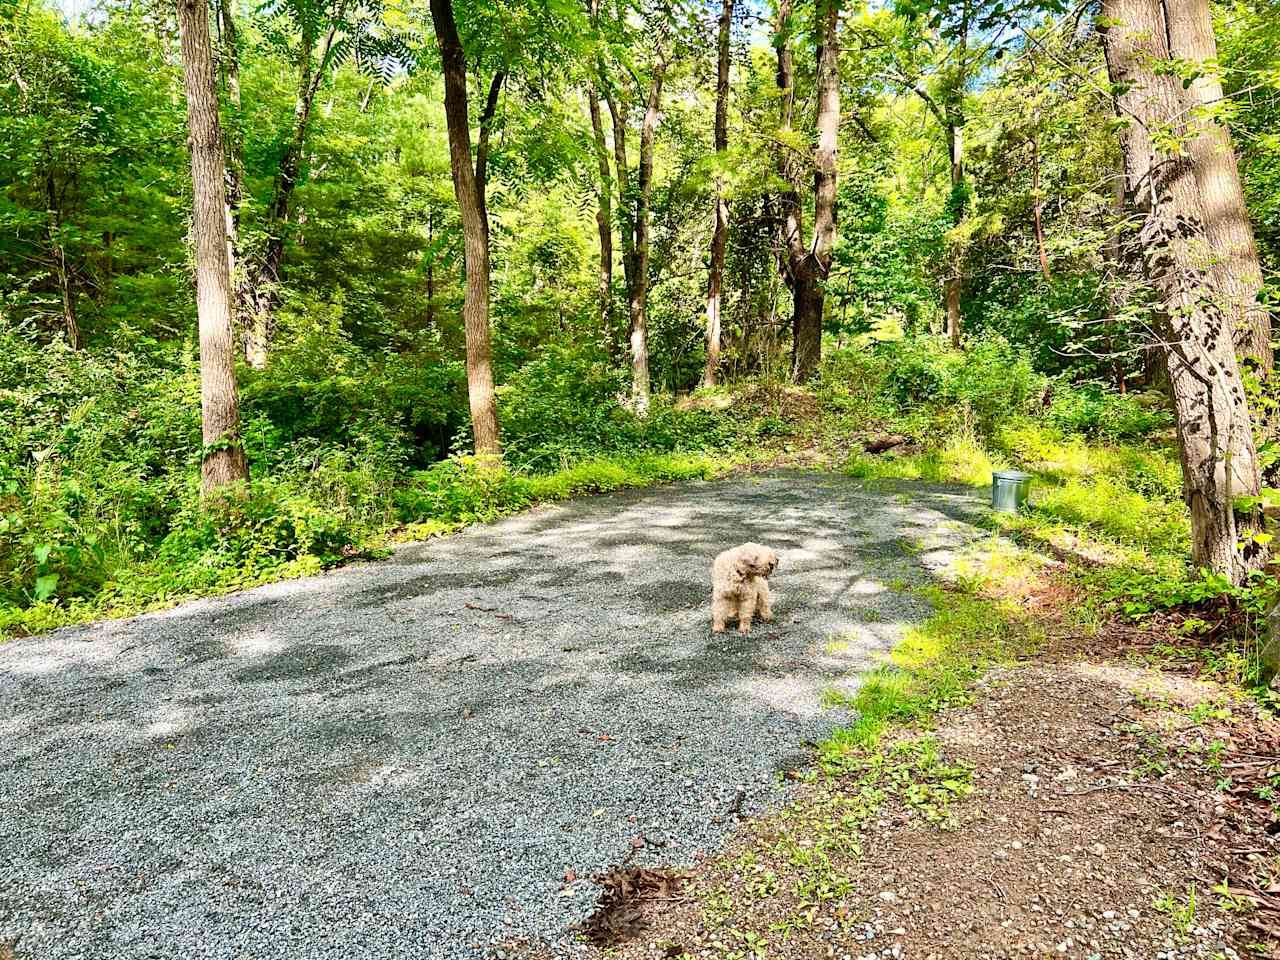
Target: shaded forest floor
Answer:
pixel 1089 796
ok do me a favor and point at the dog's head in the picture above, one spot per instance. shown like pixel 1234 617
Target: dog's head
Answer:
pixel 756 560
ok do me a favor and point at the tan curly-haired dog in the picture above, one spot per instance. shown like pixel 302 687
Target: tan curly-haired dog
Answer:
pixel 739 586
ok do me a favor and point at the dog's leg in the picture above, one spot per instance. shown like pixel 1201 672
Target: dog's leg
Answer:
pixel 721 610
pixel 762 600
pixel 746 610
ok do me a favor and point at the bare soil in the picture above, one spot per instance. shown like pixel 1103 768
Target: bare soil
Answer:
pixel 1119 810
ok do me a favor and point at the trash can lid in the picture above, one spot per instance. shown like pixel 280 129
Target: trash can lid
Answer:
pixel 1010 475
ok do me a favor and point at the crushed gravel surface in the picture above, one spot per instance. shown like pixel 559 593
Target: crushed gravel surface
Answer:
pixel 430 756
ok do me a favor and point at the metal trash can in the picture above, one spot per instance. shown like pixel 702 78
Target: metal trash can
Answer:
pixel 1009 489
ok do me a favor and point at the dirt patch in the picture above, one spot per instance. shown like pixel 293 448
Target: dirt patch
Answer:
pixel 621 913
pixel 1115 812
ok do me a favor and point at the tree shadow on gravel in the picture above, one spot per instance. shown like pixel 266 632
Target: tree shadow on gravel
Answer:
pixel 322 727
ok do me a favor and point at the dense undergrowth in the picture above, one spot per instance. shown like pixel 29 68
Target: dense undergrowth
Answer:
pixel 1106 499
pixel 99 496
pixel 100 510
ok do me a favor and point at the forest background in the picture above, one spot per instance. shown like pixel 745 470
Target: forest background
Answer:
pixel 610 245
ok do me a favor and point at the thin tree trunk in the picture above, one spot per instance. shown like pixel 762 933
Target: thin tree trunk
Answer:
pixel 952 126
pixel 468 187
pixel 720 234
pixel 70 325
pixel 640 283
pixel 261 293
pixel 626 207
pixel 604 209
pixel 1037 202
pixel 1236 267
pixel 430 269
pixel 66 290
pixel 1214 429
pixel 791 247
pixel 953 284
pixel 951 289
pixel 1113 257
pixel 223 462
pixel 229 58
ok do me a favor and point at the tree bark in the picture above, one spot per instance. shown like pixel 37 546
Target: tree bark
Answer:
pixel 260 294
pixel 468 188
pixel 1036 204
pixel 66 291
pixel 1236 268
pixel 223 461
pixel 640 281
pixel 807 268
pixel 720 234
pixel 1113 257
pixel 1215 434
pixel 791 247
pixel 70 324
pixel 604 210
pixel 58 255
pixel 431 271
pixel 626 206
pixel 952 285
pixel 951 289
pixel 229 58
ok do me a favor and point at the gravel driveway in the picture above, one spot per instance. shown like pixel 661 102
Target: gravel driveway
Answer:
pixel 403 759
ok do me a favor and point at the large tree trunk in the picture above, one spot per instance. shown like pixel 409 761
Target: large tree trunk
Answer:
pixel 468 187
pixel 720 235
pixel 604 211
pixel 1236 268
pixel 223 461
pixel 640 280
pixel 1214 430
pixel 807 268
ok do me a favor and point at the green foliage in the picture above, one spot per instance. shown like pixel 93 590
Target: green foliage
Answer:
pixel 1095 411
pixel 350 427
pixel 462 490
pixel 932 667
pixel 245 535
pixel 987 383
pixel 567 404
pixel 1139 594
pixel 99 508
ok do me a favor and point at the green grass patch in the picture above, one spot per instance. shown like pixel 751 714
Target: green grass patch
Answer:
pixel 1124 499
pixel 961 460
pixel 933 667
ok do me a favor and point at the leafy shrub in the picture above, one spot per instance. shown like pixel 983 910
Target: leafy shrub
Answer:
pixel 852 380
pixel 1109 506
pixel 462 490
pixel 567 405
pixel 988 382
pixel 408 408
pixel 239 538
pixel 1091 410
